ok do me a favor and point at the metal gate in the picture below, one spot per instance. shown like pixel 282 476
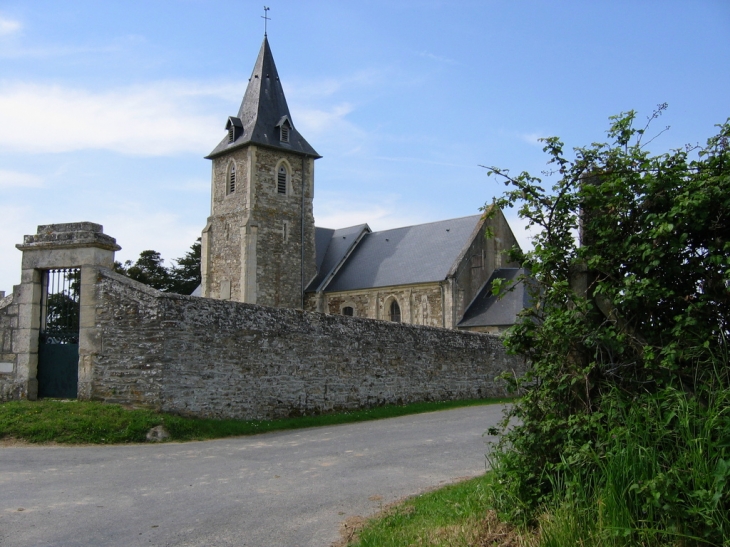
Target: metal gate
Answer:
pixel 58 343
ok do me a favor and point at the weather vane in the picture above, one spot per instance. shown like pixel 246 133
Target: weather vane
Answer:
pixel 266 19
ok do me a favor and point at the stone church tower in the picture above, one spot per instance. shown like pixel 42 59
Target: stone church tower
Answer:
pixel 258 245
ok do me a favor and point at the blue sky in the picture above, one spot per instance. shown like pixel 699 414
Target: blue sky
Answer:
pixel 107 108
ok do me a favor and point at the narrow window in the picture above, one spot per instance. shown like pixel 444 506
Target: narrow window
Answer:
pixel 281 180
pixel 232 179
pixel 394 311
pixel 284 132
pixel 347 310
pixel 231 133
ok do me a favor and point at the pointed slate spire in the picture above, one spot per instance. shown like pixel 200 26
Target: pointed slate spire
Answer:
pixel 263 112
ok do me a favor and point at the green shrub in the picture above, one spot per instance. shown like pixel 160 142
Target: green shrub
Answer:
pixel 623 428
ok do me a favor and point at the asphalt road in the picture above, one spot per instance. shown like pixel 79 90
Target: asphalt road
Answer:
pixel 278 489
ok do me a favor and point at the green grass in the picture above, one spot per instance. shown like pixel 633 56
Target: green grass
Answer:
pixel 662 478
pixel 457 515
pixel 426 516
pixel 86 422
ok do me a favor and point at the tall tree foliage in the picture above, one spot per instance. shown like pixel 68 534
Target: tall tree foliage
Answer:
pixel 181 278
pixel 631 270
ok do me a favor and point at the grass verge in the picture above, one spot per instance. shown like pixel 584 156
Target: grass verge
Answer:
pixel 88 422
pixel 458 515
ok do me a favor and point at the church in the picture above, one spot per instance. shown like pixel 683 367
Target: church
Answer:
pixel 261 246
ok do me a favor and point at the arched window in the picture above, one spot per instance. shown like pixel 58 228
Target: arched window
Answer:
pixel 281 177
pixel 395 311
pixel 347 310
pixel 231 179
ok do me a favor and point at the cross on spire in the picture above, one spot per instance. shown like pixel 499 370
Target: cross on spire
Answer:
pixel 266 19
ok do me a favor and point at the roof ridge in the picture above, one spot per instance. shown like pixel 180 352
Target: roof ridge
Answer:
pixel 345 227
pixel 425 224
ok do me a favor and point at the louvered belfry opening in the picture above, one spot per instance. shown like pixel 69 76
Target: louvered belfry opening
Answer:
pixel 281 180
pixel 60 305
pixel 232 180
pixel 285 133
pixel 231 133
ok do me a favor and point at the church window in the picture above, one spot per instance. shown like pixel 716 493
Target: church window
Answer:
pixel 231 133
pixel 281 177
pixel 395 311
pixel 284 132
pixel 232 179
pixel 348 310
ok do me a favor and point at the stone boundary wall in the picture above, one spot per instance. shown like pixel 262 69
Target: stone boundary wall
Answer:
pixel 215 358
pixel 10 386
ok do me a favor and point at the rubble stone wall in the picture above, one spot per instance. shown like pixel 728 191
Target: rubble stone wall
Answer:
pixel 419 304
pixel 214 358
pixel 10 386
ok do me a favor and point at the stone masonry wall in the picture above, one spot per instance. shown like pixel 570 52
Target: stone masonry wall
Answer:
pixel 477 264
pixel 419 304
pixel 10 386
pixel 252 243
pixel 216 358
pixel 279 260
pixel 229 215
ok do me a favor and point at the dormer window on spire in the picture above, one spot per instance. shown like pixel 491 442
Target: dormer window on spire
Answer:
pixel 265 113
pixel 284 126
pixel 234 128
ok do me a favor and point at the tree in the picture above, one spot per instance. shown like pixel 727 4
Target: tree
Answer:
pixel 631 271
pixel 148 269
pixel 185 275
pixel 181 278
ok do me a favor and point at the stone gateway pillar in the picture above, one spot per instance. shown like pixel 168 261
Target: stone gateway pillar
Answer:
pixel 56 302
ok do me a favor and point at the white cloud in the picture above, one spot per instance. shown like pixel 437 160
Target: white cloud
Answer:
pixel 320 116
pixel 137 228
pixel 438 58
pixel 13 220
pixel 316 90
pixel 12 50
pixel 525 233
pixel 8 26
pixel 157 119
pixel 533 139
pixel 15 179
pixel 314 122
pixel 417 160
pixel 378 212
pixel 195 186
pixel 521 230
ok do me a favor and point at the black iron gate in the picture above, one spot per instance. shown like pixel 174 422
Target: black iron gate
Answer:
pixel 58 343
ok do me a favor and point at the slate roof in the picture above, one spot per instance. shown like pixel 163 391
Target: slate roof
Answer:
pixel 488 310
pixel 263 107
pixel 332 248
pixel 412 254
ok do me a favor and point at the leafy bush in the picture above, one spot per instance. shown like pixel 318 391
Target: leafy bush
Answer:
pixel 627 391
